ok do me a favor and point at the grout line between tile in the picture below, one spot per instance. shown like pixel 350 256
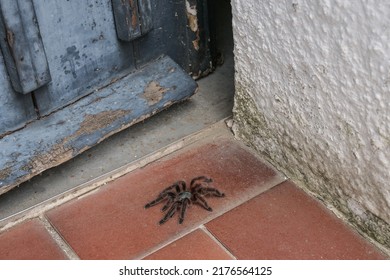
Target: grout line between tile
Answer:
pixel 223 247
pixel 275 182
pixel 58 239
pixel 165 243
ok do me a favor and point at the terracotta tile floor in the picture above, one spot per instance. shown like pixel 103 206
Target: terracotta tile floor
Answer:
pixel 262 216
pixel 29 241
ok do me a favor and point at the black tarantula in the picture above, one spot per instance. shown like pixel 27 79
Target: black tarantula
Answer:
pixel 178 197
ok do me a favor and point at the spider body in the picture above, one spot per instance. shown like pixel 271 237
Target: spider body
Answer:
pixel 178 197
pixel 184 195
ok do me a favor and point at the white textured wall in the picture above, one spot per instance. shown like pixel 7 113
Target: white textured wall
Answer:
pixel 313 95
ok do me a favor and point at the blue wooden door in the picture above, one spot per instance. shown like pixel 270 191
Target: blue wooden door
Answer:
pixel 64 50
pixel 102 64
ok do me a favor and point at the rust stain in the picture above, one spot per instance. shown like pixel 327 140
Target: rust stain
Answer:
pixel 134 16
pixel 153 93
pixel 134 20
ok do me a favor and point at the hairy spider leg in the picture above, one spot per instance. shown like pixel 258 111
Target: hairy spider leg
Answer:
pixel 183 209
pixel 201 201
pixel 204 178
pixel 162 196
pixel 183 185
pixel 210 191
pixel 172 195
pixel 196 188
pixel 171 199
pixel 167 191
pixel 175 186
pixel 170 212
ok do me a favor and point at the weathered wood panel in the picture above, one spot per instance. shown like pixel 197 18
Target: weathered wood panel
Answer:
pixel 133 18
pixel 145 9
pixel 127 21
pixel 180 30
pixel 22 46
pixel 87 53
pixel 15 109
pixel 64 134
pixel 82 49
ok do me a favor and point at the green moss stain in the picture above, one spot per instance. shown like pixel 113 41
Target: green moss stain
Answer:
pixel 252 124
pixel 253 128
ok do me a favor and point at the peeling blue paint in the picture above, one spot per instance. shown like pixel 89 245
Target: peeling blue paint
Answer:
pixel 66 133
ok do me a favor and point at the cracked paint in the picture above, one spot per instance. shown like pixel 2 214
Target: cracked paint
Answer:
pixel 95 122
pixel 154 93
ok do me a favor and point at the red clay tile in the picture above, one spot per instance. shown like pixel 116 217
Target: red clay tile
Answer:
pixel 29 241
pixel 196 245
pixel 285 223
pixel 113 224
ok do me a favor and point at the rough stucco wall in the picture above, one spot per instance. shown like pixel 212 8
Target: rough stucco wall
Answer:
pixel 313 96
